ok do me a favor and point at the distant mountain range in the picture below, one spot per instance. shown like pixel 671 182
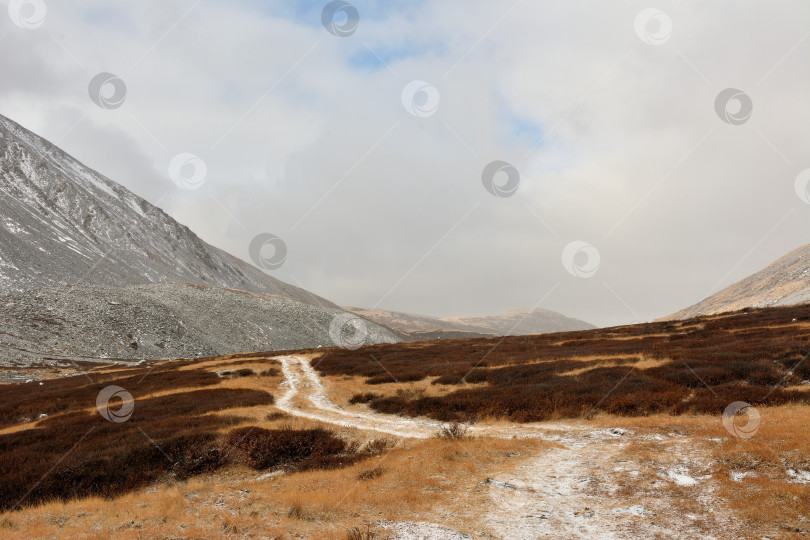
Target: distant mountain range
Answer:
pixel 784 283
pixel 512 323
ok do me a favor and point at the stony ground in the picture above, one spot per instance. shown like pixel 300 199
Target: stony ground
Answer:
pixel 62 325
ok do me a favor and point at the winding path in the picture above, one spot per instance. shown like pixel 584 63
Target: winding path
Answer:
pixel 306 397
pixel 569 491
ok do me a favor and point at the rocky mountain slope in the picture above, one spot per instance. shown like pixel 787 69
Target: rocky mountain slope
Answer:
pixel 512 323
pixel 785 282
pixel 63 223
pixel 158 321
pixel 81 258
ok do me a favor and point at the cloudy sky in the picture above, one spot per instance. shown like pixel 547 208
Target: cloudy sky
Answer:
pixel 643 187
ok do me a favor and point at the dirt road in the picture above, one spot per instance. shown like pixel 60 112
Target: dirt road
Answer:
pixel 572 492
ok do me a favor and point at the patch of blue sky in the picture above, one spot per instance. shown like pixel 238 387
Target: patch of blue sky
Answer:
pixel 373 57
pixel 308 12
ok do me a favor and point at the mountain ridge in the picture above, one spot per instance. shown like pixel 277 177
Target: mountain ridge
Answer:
pixel 785 282
pixel 513 322
pixel 94 222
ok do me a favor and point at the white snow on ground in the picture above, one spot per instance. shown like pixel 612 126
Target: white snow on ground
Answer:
pixel 798 476
pixel 421 530
pixel 635 510
pixel 681 477
pixel 570 492
pixel 739 476
pixel 299 375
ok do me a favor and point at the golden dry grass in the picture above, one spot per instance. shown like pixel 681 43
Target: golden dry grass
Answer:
pixel 767 501
pixel 417 478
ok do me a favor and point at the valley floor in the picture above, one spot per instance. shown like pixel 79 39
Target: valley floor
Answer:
pixel 607 477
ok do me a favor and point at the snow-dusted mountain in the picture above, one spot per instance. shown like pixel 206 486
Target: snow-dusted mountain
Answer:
pixel 89 269
pixel 786 282
pixel 63 223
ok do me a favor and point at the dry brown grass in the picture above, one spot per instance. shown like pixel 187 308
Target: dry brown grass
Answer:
pixel 766 502
pixel 342 389
pixel 416 479
pixel 641 362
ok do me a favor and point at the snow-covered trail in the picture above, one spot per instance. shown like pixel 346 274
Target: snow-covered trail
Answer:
pixel 570 491
pixel 306 397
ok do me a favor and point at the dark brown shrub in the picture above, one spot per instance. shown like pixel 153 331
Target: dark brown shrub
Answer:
pixel 297 511
pixel 262 448
pixel 379 446
pixel 453 431
pixel 363 533
pixel 749 352
pixel 243 372
pixel 364 397
pixel 371 474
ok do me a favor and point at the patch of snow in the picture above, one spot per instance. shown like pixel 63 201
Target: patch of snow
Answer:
pixel 614 432
pixel 680 476
pixel 135 206
pixel 272 474
pixel 635 510
pixel 421 530
pixel 799 476
pixel 737 476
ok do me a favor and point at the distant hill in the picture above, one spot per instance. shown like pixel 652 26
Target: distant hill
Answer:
pixel 512 323
pixel 784 283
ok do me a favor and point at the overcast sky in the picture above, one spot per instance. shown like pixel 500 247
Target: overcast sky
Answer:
pixel 611 113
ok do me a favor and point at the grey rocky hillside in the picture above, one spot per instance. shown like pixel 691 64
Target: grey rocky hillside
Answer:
pixel 63 223
pixel 157 321
pixel 81 259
